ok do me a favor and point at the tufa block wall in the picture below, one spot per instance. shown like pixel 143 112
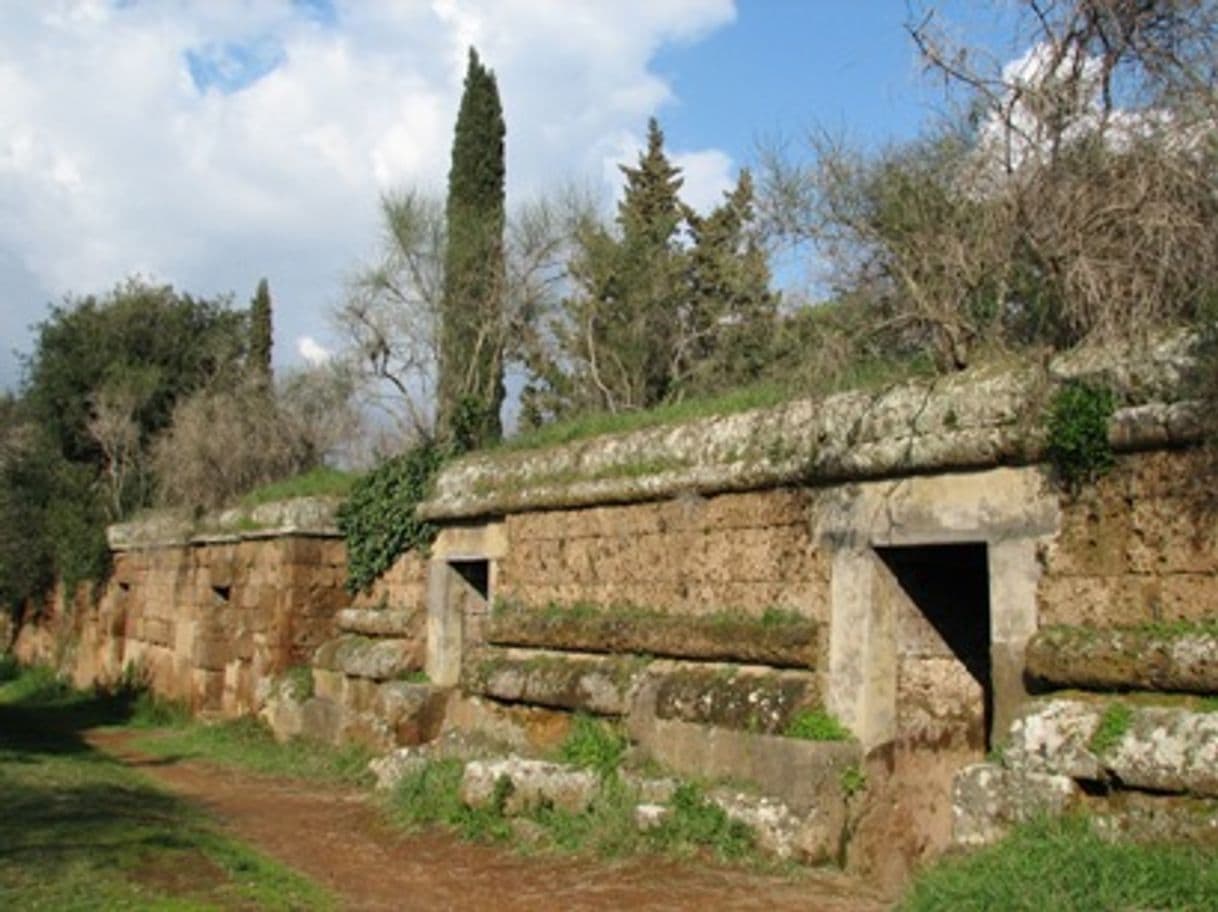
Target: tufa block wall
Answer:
pixel 689 556
pixel 1139 546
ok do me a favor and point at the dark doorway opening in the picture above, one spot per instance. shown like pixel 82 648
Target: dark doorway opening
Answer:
pixel 950 585
pixel 477 573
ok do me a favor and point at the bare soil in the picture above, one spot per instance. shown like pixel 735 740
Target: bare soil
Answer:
pixel 339 839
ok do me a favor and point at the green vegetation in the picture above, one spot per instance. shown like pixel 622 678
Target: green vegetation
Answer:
pixel 249 744
pixel 261 335
pixel 469 389
pixel 817 725
pixel 1066 866
pixel 1077 425
pixel 320 481
pixel 852 780
pixel 299 679
pixel 1114 723
pixel 429 796
pixel 594 744
pixel 83 831
pixel 378 519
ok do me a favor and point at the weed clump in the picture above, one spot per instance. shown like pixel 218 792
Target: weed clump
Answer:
pixel 594 745
pixel 817 725
pixel 1113 725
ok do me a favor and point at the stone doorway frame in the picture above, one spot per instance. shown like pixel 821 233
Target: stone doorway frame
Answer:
pixel 1013 512
pixel 448 591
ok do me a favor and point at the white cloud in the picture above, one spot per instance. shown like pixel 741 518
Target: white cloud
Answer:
pixel 313 352
pixel 114 160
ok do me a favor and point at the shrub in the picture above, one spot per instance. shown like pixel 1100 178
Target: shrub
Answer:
pixel 223 443
pixel 1077 425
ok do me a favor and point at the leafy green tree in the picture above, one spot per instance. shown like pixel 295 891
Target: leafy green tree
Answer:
pixel 470 388
pixel 261 338
pixel 149 336
pixel 101 381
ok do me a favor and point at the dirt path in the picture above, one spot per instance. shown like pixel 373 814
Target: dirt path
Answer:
pixel 336 837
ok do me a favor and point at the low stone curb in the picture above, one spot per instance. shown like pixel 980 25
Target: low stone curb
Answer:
pixel 791 644
pixel 1125 659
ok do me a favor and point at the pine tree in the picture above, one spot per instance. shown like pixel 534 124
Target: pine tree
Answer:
pixel 651 266
pixel 622 323
pixel 470 388
pixel 730 312
pixel 260 335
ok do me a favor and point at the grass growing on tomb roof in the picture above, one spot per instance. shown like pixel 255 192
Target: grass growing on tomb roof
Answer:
pixel 862 374
pixel 317 482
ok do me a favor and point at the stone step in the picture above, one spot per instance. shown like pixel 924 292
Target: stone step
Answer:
pixel 791 642
pixel 1183 660
pixel 380 622
pixel 591 683
pixel 377 658
pixel 753 698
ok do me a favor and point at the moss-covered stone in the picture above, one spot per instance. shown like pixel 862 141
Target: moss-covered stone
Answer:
pixel 1181 658
pixel 366 657
pixel 788 641
pixel 591 683
pixel 764 702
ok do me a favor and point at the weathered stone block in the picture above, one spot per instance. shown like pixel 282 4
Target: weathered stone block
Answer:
pixel 381 623
pixel 321 720
pixel 413 713
pixel 803 774
pixel 364 657
pixel 753 699
pixel 211 653
pixel 1125 659
pixel 530 784
pixel 987 800
pixel 596 684
pixel 1168 750
pixel 815 838
pixel 1054 738
pixel 791 642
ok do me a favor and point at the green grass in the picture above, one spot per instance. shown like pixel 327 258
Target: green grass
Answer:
pixel 593 744
pixel 1064 866
pixel 319 482
pixel 1114 723
pixel 816 725
pixel 862 374
pixel 248 744
pixel 607 829
pixel 600 423
pixel 82 831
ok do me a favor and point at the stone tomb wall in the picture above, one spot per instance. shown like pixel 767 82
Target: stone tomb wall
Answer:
pixel 210 624
pixel 656 613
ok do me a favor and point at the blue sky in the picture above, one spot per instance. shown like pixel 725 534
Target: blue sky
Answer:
pixel 208 144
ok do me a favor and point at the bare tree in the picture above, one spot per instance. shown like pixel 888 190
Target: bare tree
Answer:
pixel 391 316
pixel 1073 197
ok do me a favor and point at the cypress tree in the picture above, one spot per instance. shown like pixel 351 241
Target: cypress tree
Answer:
pixel 650 271
pixel 470 388
pixel 260 335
